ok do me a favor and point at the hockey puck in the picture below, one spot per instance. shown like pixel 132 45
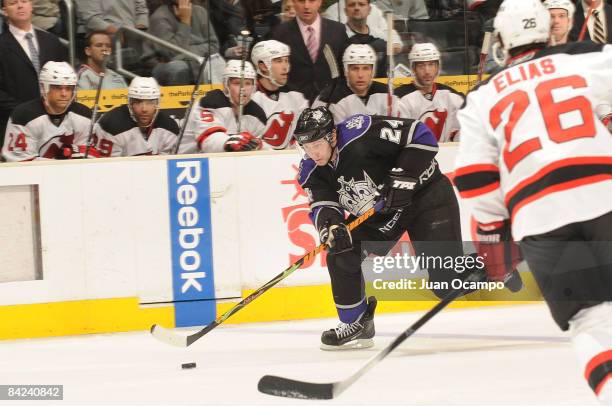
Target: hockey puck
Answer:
pixel 188 365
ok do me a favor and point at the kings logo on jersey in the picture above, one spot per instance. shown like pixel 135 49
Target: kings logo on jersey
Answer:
pixel 435 120
pixel 357 196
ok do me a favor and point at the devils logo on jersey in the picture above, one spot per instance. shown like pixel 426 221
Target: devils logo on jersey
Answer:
pixel 277 133
pixel 435 120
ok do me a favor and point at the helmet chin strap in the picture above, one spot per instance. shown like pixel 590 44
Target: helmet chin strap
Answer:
pixel 135 118
pixel 270 77
pixel 48 106
pixel 496 49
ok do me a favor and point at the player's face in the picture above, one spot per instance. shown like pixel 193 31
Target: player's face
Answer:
pixel 307 10
pixel 319 151
pixel 357 9
pixel 18 11
pixel 99 47
pixel 59 98
pixel 234 90
pixel 426 72
pixel 280 69
pixel 360 77
pixel 144 110
pixel 288 10
pixel 560 23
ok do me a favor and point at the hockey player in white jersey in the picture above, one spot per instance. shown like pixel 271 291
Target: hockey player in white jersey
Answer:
pixel 53 126
pixel 281 103
pixel 433 103
pixel 535 165
pixel 213 125
pixel 138 128
pixel 359 93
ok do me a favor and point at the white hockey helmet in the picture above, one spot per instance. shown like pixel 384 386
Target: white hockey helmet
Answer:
pixel 56 73
pixel 566 5
pixel 359 54
pixel 143 88
pixel 233 69
pixel 266 51
pixel 424 52
pixel 519 23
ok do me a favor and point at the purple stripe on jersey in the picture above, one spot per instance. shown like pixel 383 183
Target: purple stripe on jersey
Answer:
pixel 352 128
pixel 423 136
pixel 307 166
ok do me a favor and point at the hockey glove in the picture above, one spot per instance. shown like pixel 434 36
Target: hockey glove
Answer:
pixel 397 190
pixel 337 238
pixel 71 151
pixel 500 253
pixel 242 142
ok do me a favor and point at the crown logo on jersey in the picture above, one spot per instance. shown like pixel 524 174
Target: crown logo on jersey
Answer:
pixel 357 196
pixel 355 122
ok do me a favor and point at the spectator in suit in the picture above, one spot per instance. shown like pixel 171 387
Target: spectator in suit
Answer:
pixel 186 25
pixel 307 35
pixel 599 24
pixel 24 51
pixel 561 20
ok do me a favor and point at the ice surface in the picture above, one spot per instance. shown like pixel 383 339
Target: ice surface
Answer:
pixel 501 356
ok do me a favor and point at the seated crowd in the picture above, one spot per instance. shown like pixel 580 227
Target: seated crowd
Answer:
pixel 301 57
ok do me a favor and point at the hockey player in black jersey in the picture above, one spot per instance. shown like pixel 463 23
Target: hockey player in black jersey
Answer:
pixel 342 169
pixel 358 92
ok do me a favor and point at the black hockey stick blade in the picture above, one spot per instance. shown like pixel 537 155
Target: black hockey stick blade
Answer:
pixel 289 388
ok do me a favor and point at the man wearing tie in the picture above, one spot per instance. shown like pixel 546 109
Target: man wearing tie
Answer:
pixel 599 24
pixel 24 50
pixel 307 35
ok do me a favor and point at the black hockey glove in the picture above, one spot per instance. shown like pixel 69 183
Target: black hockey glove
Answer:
pixel 244 141
pixel 397 190
pixel 337 238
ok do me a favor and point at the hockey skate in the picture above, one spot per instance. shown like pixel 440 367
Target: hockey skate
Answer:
pixel 355 335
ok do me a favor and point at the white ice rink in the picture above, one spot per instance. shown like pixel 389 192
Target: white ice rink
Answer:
pixel 502 356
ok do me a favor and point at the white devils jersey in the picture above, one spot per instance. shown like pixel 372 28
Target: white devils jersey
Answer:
pixel 438 109
pixel 32 133
pixel 343 103
pixel 117 134
pixel 532 148
pixel 282 108
pixel 212 121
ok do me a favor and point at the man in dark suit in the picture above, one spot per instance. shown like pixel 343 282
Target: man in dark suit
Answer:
pixel 599 24
pixel 24 51
pixel 307 35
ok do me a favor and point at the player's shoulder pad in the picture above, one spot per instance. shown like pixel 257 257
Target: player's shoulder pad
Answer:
pixel 163 120
pixel 403 90
pixel 214 99
pixel 307 167
pixel 352 128
pixel 255 110
pixel 377 87
pixel 80 109
pixel 117 121
pixel 334 92
pixel 442 86
pixel 28 111
pixel 571 48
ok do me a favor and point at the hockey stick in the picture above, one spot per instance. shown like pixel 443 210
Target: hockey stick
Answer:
pixel 390 64
pixel 194 93
pixel 289 388
pixel 586 20
pixel 245 39
pixel 94 113
pixel 484 52
pixel 170 337
pixel 333 69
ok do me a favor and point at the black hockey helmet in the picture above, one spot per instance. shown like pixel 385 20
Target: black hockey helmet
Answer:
pixel 314 124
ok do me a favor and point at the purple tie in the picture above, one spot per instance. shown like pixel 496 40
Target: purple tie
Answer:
pixel 311 43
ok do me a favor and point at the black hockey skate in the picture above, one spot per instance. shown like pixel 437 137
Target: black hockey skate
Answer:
pixel 355 335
